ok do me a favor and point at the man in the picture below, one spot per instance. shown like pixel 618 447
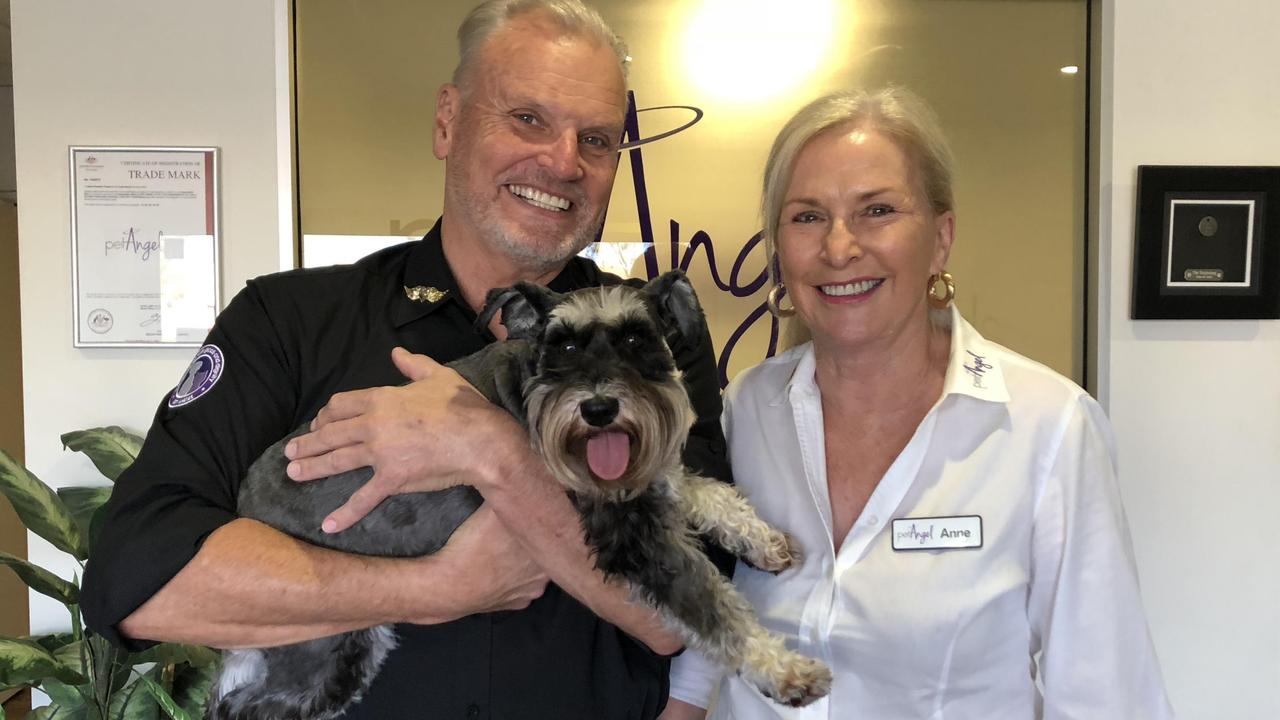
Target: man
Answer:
pixel 529 131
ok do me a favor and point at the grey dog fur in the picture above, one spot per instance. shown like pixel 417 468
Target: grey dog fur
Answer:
pixel 644 534
pixel 319 679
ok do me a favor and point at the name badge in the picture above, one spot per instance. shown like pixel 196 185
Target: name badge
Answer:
pixel 937 533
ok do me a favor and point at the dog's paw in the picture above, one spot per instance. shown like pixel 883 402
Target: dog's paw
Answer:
pixel 781 552
pixel 801 681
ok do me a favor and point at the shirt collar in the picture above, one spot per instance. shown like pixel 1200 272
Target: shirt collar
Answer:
pixel 973 367
pixel 802 377
pixel 427 272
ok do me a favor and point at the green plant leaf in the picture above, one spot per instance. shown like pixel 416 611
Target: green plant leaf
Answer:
pixel 133 702
pixel 23 662
pixel 191 686
pixel 41 580
pixel 121 674
pixel 175 654
pixel 40 509
pixel 111 449
pixel 104 658
pixel 67 696
pixel 58 712
pixel 166 701
pixel 51 641
pixel 83 503
pixel 70 655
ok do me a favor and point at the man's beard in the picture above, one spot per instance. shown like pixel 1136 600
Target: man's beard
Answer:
pixel 535 254
pixel 534 251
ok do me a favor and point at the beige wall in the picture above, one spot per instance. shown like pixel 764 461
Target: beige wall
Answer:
pixel 368 74
pixel 13 539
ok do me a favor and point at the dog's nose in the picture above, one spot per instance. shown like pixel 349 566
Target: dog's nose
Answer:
pixel 599 411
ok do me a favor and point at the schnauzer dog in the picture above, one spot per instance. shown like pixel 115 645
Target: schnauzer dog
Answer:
pixel 591 376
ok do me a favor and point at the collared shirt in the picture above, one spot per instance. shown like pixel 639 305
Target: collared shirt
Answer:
pixel 284 345
pixel 1043 620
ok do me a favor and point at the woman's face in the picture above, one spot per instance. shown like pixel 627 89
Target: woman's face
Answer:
pixel 858 240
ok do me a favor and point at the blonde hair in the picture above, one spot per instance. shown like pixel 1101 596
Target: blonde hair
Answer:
pixel 898 114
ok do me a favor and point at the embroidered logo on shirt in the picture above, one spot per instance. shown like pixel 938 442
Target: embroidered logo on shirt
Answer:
pixel 937 533
pixel 200 377
pixel 977 369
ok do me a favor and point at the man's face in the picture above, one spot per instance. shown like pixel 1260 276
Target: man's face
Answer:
pixel 530 143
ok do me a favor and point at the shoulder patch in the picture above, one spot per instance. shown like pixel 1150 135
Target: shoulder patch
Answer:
pixel 200 377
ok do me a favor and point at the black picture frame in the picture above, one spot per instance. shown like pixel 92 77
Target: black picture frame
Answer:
pixel 1207 243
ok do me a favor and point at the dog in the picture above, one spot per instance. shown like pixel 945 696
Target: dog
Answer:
pixel 590 374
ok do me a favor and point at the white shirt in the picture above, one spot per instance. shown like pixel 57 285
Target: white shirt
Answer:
pixel 947 634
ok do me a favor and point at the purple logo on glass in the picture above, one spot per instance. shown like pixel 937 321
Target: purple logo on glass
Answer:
pixel 199 378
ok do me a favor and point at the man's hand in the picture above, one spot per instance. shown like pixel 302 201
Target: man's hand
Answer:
pixel 427 435
pixel 490 570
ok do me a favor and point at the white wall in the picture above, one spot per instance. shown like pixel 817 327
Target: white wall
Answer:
pixel 130 72
pixel 1196 405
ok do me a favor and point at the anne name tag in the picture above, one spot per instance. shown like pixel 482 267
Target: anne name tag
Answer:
pixel 937 533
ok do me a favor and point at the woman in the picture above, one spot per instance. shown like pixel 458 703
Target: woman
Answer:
pixel 966 554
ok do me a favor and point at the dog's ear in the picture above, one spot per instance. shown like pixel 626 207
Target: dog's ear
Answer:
pixel 672 296
pixel 524 307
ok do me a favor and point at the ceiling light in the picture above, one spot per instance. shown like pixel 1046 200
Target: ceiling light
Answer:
pixel 757 50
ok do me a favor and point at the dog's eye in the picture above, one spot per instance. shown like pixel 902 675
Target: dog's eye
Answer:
pixel 569 347
pixel 631 340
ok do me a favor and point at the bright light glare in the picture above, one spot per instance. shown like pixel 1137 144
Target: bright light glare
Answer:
pixel 1069 69
pixel 750 50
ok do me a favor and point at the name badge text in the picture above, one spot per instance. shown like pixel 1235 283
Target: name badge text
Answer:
pixel 937 533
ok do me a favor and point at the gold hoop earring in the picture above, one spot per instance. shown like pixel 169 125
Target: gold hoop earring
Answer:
pixel 774 302
pixel 941 303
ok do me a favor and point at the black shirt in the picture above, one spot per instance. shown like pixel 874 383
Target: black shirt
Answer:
pixel 284 345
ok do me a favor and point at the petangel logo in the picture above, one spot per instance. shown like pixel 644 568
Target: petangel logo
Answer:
pixel 633 124
pixel 734 282
pixel 91 160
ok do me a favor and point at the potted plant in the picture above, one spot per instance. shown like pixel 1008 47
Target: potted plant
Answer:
pixel 85 677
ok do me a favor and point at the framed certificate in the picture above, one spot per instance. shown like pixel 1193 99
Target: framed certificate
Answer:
pixel 144 245
pixel 1207 243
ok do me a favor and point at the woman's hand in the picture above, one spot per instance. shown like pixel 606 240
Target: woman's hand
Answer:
pixel 680 710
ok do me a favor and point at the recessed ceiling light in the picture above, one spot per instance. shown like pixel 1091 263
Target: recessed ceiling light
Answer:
pixel 1069 69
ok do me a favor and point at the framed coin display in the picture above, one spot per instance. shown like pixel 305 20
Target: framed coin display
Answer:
pixel 1205 243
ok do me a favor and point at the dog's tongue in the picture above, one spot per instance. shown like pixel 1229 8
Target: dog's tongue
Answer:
pixel 608 454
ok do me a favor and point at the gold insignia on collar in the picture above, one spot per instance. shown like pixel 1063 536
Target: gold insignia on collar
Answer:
pixel 422 293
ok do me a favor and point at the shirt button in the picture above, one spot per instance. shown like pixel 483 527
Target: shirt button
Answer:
pixel 473 711
pixel 873 520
